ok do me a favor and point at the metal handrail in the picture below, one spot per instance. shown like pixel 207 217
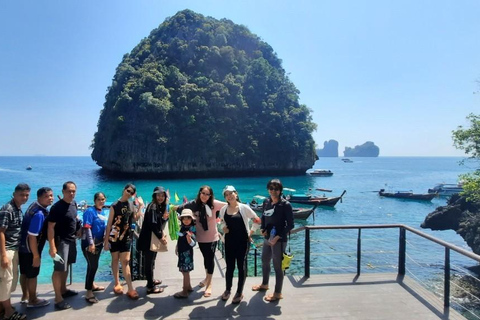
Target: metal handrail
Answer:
pixel 401 249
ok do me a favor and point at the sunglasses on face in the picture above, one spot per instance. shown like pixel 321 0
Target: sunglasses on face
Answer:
pixel 205 194
pixel 130 191
pixel 274 189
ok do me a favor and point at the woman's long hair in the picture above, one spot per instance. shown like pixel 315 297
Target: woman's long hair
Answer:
pixel 210 200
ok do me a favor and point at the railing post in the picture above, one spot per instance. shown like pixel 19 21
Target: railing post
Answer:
pixel 446 285
pixel 255 262
pixel 401 251
pixel 307 252
pixel 246 263
pixel 359 250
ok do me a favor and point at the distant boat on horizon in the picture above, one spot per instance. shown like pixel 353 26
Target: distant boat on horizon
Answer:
pixel 346 160
pixel 28 168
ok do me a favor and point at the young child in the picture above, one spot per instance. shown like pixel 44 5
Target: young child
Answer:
pixel 184 250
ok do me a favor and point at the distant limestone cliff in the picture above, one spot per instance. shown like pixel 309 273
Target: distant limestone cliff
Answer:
pixel 330 149
pixel 368 149
pixel 201 97
pixel 459 215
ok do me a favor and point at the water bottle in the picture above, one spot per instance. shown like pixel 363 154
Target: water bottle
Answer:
pixel 273 233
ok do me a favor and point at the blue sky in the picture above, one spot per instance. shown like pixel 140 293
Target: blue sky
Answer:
pixel 399 73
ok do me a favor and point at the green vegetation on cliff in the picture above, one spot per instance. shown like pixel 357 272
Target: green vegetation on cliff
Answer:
pixel 468 139
pixel 198 95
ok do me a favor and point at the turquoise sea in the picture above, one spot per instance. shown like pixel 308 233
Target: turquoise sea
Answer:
pixel 334 251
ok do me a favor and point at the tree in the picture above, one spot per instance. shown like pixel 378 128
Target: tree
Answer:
pixel 468 139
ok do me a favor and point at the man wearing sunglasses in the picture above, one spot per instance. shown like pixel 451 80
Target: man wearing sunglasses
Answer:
pixel 62 234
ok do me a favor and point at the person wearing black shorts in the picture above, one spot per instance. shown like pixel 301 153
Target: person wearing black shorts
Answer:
pixel 118 237
pixel 34 235
pixel 62 233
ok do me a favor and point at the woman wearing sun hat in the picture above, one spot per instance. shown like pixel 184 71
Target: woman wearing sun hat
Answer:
pixel 235 222
pixel 204 208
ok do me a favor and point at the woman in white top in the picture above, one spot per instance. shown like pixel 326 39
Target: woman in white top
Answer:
pixel 235 218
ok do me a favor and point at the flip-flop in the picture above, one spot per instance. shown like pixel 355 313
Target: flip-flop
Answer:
pixel 38 304
pixel 259 287
pixel 201 284
pixel 69 293
pixel 155 289
pixel 157 282
pixel 237 299
pixel 272 298
pixel 179 295
pixel 207 294
pixel 17 316
pixel 99 288
pixel 118 289
pixel 133 294
pixel 62 305
pixel 91 299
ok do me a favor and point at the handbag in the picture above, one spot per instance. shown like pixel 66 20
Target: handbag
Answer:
pixel 156 245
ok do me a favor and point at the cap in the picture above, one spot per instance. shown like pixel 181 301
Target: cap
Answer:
pixel 159 190
pixel 228 188
pixel 187 213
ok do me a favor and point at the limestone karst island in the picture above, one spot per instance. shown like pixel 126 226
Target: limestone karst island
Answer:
pixel 330 149
pixel 203 97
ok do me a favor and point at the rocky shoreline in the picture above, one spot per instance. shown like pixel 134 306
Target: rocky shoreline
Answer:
pixel 459 215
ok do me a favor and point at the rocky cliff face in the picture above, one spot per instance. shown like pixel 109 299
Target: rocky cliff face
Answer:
pixel 459 215
pixel 330 149
pixel 368 149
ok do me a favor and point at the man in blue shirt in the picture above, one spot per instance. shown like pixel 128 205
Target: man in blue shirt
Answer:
pixel 34 236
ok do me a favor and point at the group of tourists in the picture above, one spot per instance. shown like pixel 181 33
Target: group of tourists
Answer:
pixel 204 220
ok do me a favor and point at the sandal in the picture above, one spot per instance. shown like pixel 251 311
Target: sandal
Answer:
pixel 201 284
pixel 98 289
pixel 118 289
pixel 179 295
pixel 260 287
pixel 226 295
pixel 69 293
pixel 39 303
pixel 91 299
pixel 17 316
pixel 207 294
pixel 62 305
pixel 273 297
pixel 133 294
pixel 238 297
pixel 154 289
pixel 157 282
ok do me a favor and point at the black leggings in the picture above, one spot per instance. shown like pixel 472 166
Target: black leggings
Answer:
pixel 236 251
pixel 150 257
pixel 92 264
pixel 208 253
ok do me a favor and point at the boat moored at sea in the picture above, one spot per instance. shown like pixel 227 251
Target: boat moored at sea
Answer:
pixel 320 173
pixel 314 200
pixel 298 213
pixel 446 189
pixel 346 160
pixel 408 195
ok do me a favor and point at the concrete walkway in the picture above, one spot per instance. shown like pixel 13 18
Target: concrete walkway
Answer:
pixel 370 296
